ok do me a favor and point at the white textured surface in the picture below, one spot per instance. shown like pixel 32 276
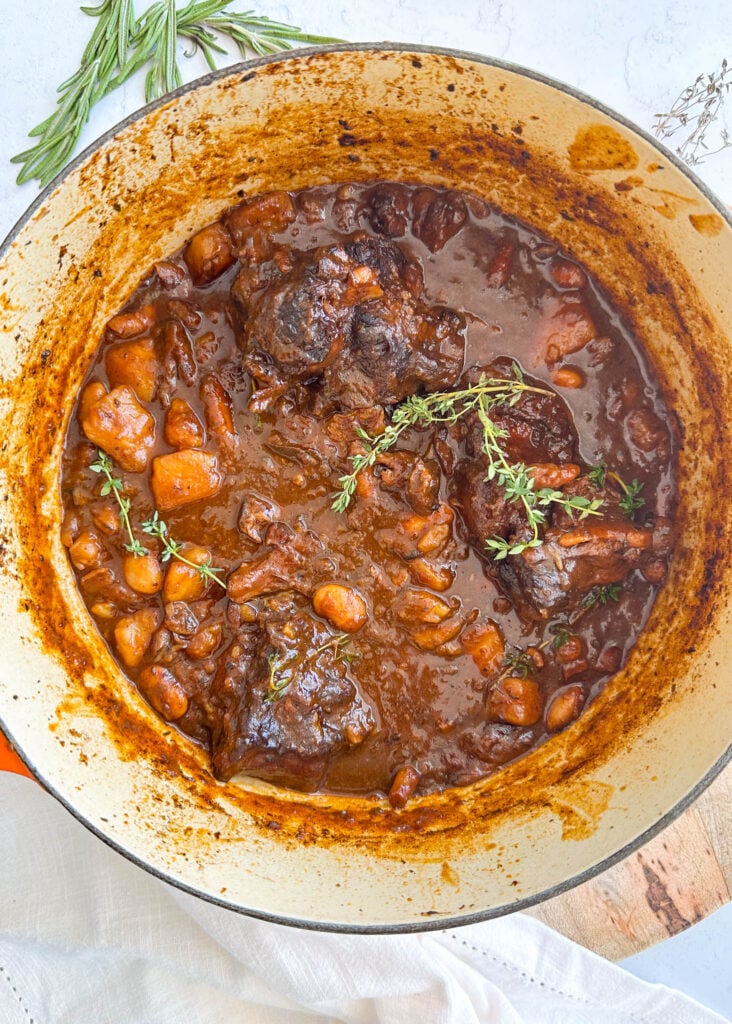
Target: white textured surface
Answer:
pixel 634 57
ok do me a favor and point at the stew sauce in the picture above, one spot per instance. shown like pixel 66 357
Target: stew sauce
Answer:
pixel 379 646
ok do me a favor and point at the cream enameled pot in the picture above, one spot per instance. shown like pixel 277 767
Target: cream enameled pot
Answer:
pixel 662 248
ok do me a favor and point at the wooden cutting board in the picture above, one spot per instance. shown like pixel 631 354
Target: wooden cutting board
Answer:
pixel 675 880
pixel 664 887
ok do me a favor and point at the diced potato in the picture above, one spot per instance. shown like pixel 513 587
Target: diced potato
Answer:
pixel 438 577
pixel 183 582
pixel 271 213
pixel 89 396
pixel 567 327
pixel 87 551
pixel 430 638
pixel 125 325
pixel 516 701
pixel 217 408
pixel 565 706
pixel 69 529
pixel 106 518
pixel 208 254
pixel 485 644
pixel 568 377
pixel 160 687
pixel 203 643
pixel 551 474
pixel 183 429
pixel 343 607
pixel 418 607
pixel 180 478
pixel 142 573
pixel 133 633
pixel 403 786
pixel 122 427
pixel 134 363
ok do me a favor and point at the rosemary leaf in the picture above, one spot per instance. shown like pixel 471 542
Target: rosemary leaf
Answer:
pixel 121 45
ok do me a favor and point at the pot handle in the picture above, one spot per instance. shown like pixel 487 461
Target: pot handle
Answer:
pixel 9 760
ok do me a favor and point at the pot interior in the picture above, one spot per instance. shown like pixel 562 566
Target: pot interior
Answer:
pixel 661 248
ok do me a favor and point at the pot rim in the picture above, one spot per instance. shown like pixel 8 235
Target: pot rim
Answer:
pixel 454 920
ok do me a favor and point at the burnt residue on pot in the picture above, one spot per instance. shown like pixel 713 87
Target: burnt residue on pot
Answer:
pixel 136 218
pixel 600 147
pixel 707 224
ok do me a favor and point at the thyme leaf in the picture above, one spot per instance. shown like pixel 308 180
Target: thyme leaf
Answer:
pixel 518 663
pixel 696 110
pixel 514 478
pixel 113 485
pixel 173 548
pixel 276 687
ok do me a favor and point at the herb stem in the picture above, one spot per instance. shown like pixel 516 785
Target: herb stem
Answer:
pixel 113 485
pixel 514 478
pixel 172 549
pixel 121 44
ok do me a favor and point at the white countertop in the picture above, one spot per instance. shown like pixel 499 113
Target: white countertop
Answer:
pixel 634 57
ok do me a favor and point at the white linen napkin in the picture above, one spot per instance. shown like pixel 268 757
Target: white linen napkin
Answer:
pixel 86 936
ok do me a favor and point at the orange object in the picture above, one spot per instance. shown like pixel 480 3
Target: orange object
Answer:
pixel 9 760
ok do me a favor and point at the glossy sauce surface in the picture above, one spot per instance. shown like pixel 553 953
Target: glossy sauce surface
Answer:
pixel 382 648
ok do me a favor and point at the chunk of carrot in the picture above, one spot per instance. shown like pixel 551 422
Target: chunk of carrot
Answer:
pixel 180 478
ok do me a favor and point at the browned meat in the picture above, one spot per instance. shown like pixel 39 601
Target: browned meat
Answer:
pixel 437 217
pixel 416 479
pixel 287 562
pixel 292 704
pixel 578 555
pixel 539 433
pixel 255 516
pixel 388 210
pixel 345 314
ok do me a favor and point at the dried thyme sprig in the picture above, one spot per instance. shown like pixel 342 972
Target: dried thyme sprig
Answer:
pixel 172 549
pixel 113 485
pixel 514 478
pixel 120 45
pixel 697 108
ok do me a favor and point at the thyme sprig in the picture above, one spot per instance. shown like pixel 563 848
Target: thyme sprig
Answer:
pixel 519 661
pixel 122 44
pixel 696 109
pixel 173 549
pixel 276 687
pixel 631 500
pixel 514 478
pixel 337 644
pixel 113 485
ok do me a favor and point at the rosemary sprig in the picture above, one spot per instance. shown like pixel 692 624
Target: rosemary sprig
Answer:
pixel 697 108
pixel 113 485
pixel 120 45
pixel 105 53
pixel 172 549
pixel 514 478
